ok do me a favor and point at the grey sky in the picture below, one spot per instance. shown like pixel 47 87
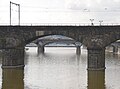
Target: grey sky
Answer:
pixel 95 5
pixel 62 11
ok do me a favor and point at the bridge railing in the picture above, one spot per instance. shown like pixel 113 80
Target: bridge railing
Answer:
pixel 60 24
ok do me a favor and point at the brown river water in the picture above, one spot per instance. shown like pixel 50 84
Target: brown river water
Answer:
pixel 61 68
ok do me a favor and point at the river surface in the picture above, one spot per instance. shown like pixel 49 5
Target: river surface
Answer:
pixel 61 68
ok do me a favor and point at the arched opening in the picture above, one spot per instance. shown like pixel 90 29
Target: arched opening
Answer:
pixel 51 36
pixel 114 47
pixel 112 54
pixel 62 62
pixel 112 58
pixel 53 41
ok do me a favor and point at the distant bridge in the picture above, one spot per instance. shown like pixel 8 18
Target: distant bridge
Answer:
pixel 48 41
pixel 44 42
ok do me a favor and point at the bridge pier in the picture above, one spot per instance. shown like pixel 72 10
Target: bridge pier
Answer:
pixel 12 78
pixel 115 49
pixel 13 58
pixel 96 79
pixel 78 50
pixel 96 59
pixel 40 49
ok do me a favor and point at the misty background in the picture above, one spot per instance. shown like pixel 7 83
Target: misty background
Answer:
pixel 61 11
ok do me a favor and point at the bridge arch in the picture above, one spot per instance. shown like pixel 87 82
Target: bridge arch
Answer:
pixel 44 40
pixel 115 47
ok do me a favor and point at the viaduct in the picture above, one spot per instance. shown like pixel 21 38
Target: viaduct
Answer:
pixel 13 39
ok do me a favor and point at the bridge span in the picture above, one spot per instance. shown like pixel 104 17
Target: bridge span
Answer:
pixel 14 38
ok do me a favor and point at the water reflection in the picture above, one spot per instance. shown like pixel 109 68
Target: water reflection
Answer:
pixel 96 79
pixel 12 79
pixel 78 59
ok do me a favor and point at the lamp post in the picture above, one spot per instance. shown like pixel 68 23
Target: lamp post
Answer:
pixel 18 11
pixel 101 22
pixel 92 21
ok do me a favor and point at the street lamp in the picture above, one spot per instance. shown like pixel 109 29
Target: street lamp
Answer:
pixel 92 21
pixel 101 22
pixel 18 11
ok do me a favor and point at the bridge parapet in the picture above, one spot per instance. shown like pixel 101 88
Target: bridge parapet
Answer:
pixel 60 24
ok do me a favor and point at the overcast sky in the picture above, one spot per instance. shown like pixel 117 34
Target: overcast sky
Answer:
pixel 62 11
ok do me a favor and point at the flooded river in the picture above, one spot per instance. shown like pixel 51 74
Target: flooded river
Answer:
pixel 61 68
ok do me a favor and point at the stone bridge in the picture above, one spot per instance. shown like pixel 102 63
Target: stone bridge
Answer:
pixel 13 39
pixel 48 41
